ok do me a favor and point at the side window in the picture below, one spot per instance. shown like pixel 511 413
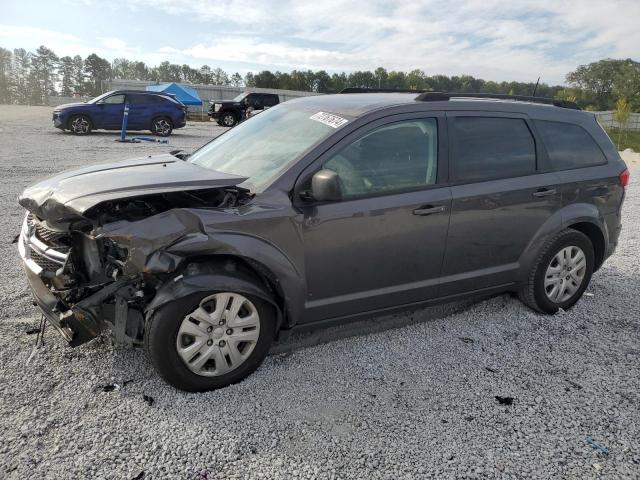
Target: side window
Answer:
pixel 114 99
pixel 270 100
pixel 394 157
pixel 488 148
pixel 569 146
pixel 136 99
pixel 256 101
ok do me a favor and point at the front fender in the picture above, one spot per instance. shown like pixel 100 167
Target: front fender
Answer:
pixel 210 277
pixel 162 244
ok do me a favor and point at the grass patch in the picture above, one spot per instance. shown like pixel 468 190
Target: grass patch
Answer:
pixel 624 140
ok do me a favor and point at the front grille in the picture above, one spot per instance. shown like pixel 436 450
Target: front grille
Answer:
pixel 52 238
pixel 44 263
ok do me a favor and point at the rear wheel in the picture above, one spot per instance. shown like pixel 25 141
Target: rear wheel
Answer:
pixel 561 273
pixel 80 125
pixel 210 340
pixel 161 126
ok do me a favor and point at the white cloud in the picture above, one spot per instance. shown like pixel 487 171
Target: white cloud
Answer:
pixel 493 39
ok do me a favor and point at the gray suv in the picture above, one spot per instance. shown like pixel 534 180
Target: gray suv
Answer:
pixel 322 210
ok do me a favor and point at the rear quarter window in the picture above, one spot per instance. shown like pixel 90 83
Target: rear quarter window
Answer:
pixel 490 147
pixel 569 146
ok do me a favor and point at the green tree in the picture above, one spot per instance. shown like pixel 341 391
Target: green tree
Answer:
pixel 381 77
pixel 627 84
pixel 66 70
pixel 42 76
pixel 79 77
pixel 598 79
pixel 20 71
pixel 236 80
pixel 5 75
pixel 266 79
pixel 250 80
pixel 621 114
pixel 97 70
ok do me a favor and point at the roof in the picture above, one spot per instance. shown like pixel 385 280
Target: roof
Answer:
pixel 186 95
pixel 358 104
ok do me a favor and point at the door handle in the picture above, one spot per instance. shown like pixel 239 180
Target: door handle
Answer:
pixel 429 210
pixel 545 192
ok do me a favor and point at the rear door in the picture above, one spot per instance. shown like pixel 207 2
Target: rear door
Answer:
pixel 140 106
pixel 502 193
pixel 382 244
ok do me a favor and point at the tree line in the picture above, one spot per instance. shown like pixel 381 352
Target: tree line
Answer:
pixel 31 77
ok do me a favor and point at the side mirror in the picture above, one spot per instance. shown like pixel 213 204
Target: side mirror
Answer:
pixel 325 186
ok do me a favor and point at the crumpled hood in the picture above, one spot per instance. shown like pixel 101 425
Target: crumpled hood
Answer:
pixel 71 193
pixel 70 105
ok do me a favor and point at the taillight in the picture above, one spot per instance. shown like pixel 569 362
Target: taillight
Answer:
pixel 624 179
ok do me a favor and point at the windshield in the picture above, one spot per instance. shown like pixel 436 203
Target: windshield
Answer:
pixel 262 147
pixel 99 97
pixel 239 97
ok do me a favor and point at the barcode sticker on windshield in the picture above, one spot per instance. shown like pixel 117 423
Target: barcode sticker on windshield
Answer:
pixel 334 121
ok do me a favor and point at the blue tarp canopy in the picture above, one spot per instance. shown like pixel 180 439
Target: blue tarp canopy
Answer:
pixel 186 95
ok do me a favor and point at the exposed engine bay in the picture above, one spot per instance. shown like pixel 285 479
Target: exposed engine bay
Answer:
pixel 86 265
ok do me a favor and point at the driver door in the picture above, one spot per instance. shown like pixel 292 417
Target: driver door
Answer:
pixel 382 245
pixel 111 112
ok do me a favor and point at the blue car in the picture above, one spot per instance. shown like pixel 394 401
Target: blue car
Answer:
pixel 154 111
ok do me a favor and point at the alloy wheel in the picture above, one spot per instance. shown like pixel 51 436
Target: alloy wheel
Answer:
pixel 80 125
pixel 219 335
pixel 228 120
pixel 565 274
pixel 162 127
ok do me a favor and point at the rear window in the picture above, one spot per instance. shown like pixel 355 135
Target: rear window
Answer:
pixel 488 148
pixel 569 146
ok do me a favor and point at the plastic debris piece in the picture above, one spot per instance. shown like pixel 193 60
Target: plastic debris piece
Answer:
pixel 32 331
pixel 466 339
pixel 504 400
pixel 492 370
pixel 149 399
pixel 596 446
pixel 109 387
pixel 588 294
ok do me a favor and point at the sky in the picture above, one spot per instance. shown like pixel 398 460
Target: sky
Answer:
pixel 491 39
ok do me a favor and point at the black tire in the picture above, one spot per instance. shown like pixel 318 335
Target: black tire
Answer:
pixel 228 119
pixel 80 125
pixel 161 334
pixel 161 126
pixel 534 293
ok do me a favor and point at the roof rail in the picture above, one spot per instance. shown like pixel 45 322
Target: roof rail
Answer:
pixel 444 96
pixel 379 90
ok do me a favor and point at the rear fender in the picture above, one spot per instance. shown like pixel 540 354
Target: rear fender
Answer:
pixel 561 219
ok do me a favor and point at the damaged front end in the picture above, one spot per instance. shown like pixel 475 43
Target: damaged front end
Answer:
pixel 86 280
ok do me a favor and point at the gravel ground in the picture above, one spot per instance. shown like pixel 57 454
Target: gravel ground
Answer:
pixel 403 403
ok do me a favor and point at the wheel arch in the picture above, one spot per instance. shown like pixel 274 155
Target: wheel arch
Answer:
pixel 221 272
pixel 583 217
pixel 71 116
pixel 596 236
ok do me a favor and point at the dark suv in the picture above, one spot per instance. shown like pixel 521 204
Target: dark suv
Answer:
pixel 321 210
pixel 155 111
pixel 229 113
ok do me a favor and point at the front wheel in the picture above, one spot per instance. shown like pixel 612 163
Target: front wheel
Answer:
pixel 210 340
pixel 228 119
pixel 80 125
pixel 161 127
pixel 561 273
